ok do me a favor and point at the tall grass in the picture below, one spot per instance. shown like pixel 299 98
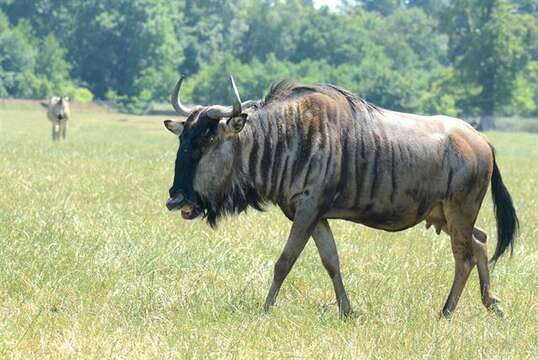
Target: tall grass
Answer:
pixel 93 266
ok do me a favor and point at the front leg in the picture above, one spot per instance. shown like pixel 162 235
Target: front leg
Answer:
pixel 63 129
pixel 301 230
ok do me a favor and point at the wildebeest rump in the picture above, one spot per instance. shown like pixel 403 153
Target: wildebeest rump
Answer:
pixel 58 113
pixel 319 152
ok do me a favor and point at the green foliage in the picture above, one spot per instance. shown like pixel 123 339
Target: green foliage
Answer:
pixel 17 57
pixel 489 47
pixel 82 95
pixel 139 104
pixel 30 67
pixel 525 93
pixel 385 7
pixel 458 57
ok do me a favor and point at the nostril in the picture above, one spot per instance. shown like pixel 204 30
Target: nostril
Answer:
pixel 175 202
pixel 170 204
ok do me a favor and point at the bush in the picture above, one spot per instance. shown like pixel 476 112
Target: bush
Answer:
pixel 83 95
pixel 139 104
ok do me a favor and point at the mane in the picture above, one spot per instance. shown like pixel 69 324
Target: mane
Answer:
pixel 287 89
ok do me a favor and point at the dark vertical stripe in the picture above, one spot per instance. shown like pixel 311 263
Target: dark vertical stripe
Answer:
pixel 394 172
pixel 363 176
pixel 402 154
pixel 328 162
pixel 277 195
pixel 307 174
pixel 289 130
pixel 445 156
pixel 449 182
pixel 309 139
pixel 362 143
pixel 323 131
pixel 344 165
pixel 253 160
pixel 375 168
pixel 277 160
pixel 360 165
pixel 238 155
pixel 423 206
pixel 304 147
pixel 271 138
pixel 354 166
pixel 266 157
pixel 299 151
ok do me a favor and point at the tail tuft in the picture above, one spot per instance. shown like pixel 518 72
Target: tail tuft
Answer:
pixel 505 214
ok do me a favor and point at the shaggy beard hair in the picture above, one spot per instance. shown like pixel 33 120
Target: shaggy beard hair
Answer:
pixel 237 199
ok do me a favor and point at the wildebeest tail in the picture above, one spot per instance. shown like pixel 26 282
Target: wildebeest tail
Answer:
pixel 505 213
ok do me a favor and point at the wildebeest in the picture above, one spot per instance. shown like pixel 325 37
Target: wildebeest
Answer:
pixel 58 113
pixel 320 152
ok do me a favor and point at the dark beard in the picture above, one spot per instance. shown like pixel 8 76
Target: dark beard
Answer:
pixel 235 201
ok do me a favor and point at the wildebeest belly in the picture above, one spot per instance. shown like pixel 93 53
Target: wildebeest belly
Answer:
pixel 396 219
pixel 407 210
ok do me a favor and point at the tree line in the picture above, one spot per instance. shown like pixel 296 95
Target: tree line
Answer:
pixel 456 57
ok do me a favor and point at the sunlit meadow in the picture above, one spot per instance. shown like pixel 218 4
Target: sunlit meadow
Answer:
pixel 92 265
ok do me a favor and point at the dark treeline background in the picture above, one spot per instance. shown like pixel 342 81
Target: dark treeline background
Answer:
pixel 456 57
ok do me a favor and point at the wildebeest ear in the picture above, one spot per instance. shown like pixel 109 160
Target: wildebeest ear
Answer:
pixel 174 126
pixel 44 104
pixel 236 123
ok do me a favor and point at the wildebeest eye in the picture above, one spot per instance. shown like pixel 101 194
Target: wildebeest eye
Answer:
pixel 206 137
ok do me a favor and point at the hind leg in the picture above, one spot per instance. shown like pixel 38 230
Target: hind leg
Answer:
pixel 464 263
pixel 479 246
pixel 460 221
pixel 324 239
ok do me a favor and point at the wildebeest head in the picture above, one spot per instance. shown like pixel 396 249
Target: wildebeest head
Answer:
pixel 205 158
pixel 58 107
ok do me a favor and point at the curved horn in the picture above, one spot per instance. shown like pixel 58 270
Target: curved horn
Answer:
pixel 218 111
pixel 237 101
pixel 176 102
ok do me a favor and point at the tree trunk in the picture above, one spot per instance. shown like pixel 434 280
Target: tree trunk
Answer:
pixel 487 122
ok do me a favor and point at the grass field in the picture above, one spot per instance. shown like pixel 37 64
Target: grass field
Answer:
pixel 92 265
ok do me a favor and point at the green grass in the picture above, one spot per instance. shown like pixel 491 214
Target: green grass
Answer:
pixel 92 265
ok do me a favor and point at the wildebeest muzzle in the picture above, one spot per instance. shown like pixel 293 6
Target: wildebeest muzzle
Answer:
pixel 175 203
pixel 189 208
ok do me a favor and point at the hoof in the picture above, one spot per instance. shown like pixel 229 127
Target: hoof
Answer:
pixel 493 304
pixel 346 313
pixel 267 307
pixel 496 309
pixel 445 315
pixel 344 309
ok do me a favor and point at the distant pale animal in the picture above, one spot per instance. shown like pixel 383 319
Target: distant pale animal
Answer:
pixel 320 152
pixel 58 113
